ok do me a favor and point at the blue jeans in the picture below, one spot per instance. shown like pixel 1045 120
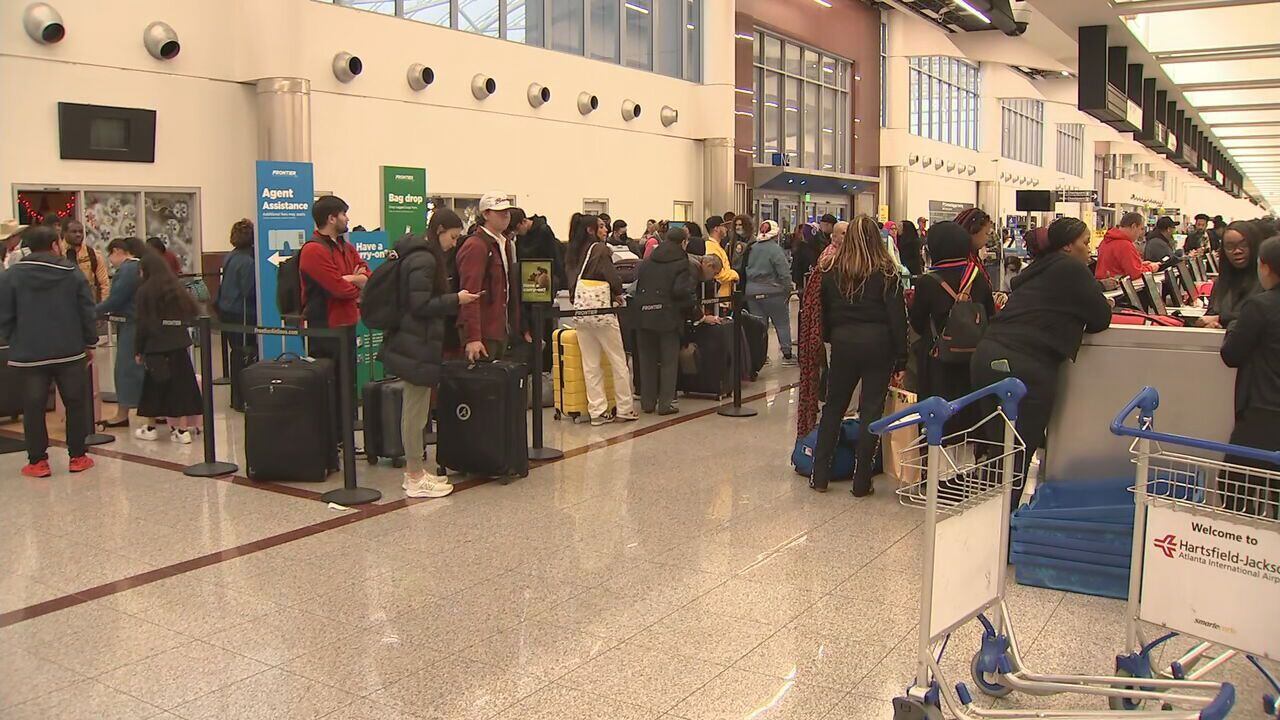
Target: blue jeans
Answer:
pixel 776 310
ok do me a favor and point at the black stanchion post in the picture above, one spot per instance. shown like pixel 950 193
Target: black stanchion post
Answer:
pixel 224 343
pixel 210 467
pixel 350 493
pixel 94 437
pixel 538 451
pixel 736 409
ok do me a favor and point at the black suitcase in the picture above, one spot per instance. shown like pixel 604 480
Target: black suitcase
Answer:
pixel 290 420
pixel 10 388
pixel 239 359
pixel 383 402
pixel 756 330
pixel 482 420
pixel 714 374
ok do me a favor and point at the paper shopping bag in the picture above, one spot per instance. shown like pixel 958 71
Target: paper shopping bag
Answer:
pixel 896 442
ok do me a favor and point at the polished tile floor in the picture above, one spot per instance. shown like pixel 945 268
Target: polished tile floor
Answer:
pixel 678 571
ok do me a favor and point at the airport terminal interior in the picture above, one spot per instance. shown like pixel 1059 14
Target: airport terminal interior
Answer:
pixel 773 359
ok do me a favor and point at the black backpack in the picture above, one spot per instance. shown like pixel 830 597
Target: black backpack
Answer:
pixel 381 301
pixel 966 322
pixel 289 286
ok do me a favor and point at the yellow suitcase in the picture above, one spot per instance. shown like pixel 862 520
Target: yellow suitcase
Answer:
pixel 567 381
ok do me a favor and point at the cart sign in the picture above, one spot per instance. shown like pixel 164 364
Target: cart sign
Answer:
pixel 1213 578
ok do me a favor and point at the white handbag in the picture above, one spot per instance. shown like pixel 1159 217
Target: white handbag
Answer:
pixel 593 295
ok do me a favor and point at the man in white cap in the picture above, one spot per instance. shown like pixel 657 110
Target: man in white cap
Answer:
pixel 485 260
pixel 9 229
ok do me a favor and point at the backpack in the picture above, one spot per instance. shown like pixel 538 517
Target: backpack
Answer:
pixel 625 263
pixel 966 322
pixel 289 285
pixel 381 300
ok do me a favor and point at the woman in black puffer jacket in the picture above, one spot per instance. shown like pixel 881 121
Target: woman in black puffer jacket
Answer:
pixel 414 351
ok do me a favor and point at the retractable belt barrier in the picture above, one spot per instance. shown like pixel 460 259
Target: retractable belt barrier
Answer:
pixel 350 493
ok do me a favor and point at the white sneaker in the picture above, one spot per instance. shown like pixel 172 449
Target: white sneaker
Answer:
pixel 435 479
pixel 428 489
pixel 598 421
pixel 146 432
pixel 412 481
pixel 626 417
pixel 182 437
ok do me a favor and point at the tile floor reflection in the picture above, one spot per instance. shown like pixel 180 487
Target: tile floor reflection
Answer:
pixel 686 573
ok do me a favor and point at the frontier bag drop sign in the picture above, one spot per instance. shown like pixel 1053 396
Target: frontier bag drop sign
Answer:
pixel 404 201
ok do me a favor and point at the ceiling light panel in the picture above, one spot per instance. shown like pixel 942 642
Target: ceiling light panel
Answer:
pixel 1220 70
pixel 1231 26
pixel 1240 116
pixel 1227 131
pixel 1232 143
pixel 1206 98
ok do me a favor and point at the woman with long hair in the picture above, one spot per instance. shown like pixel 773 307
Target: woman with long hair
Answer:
pixel 854 301
pixel 590 259
pixel 1237 273
pixel 169 386
pixel 414 351
pixel 910 248
pixel 1054 301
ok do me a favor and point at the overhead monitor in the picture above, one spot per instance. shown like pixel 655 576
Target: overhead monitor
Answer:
pixel 1034 200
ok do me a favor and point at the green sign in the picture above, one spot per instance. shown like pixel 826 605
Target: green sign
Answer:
pixel 535 281
pixel 404 201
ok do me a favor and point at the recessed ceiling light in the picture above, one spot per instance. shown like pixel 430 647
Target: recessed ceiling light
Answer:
pixel 823 3
pixel 973 11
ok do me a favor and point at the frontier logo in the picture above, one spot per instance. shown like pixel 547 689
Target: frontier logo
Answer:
pixel 1167 544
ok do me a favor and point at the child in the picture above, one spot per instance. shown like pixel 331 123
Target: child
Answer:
pixel 169 387
pixel 1252 346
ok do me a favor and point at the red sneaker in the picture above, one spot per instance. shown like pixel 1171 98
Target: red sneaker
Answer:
pixel 80 464
pixel 37 469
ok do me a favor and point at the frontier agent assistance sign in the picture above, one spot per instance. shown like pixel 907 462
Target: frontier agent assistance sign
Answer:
pixel 1213 578
pixel 284 195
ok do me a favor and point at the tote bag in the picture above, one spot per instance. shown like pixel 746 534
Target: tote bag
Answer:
pixel 896 442
pixel 593 295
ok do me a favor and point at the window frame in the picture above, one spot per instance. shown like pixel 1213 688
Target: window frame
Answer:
pixel 811 95
pixel 944 102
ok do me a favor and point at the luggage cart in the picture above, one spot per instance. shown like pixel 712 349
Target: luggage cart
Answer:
pixel 966 492
pixel 1205 524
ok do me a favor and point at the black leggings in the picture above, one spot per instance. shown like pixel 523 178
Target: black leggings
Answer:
pixel 1039 374
pixel 859 354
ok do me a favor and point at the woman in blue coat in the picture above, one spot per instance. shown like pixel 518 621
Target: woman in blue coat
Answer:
pixel 123 255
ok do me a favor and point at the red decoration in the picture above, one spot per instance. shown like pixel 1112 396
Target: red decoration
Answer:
pixel 36 217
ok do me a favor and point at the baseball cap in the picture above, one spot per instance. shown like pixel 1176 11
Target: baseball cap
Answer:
pixel 1165 222
pixel 829 218
pixel 494 201
pixel 714 222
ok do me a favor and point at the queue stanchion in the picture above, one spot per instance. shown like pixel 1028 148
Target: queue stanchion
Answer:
pixel 113 323
pixel 211 467
pixel 538 451
pixel 350 493
pixel 736 409
pixel 94 437
pixel 224 343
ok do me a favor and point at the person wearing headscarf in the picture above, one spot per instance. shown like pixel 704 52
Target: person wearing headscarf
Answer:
pixel 953 273
pixel 910 249
pixel 768 273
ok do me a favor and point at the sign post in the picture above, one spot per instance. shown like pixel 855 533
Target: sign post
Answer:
pixel 285 192
pixel 535 289
pixel 372 247
pixel 404 201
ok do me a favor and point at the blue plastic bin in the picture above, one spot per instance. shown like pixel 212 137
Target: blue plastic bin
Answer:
pixel 1057 552
pixel 1058 574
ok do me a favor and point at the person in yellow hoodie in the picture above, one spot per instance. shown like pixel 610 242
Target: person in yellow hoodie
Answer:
pixel 718 231
pixel 85 257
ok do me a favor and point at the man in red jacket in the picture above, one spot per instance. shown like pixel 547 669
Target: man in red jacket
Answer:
pixel 488 266
pixel 332 274
pixel 1118 255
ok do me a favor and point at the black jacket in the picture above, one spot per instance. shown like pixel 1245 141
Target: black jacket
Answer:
pixel 1230 291
pixel 1252 346
pixel 664 289
pixel 46 311
pixel 1054 301
pixel 414 351
pixel 803 255
pixel 1157 248
pixel 880 303
pixel 154 337
pixel 932 304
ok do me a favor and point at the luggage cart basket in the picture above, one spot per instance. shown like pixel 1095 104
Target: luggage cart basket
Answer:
pixel 966 492
pixel 1206 552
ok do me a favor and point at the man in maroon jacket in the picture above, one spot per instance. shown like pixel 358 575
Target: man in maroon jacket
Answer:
pixel 488 266
pixel 332 274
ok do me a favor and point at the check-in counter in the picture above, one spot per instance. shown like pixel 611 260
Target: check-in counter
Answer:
pixel 1196 396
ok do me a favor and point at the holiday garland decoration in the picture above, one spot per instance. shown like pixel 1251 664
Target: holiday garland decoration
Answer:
pixel 36 217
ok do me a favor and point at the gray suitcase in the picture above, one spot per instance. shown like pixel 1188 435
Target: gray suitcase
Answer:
pixel 383 402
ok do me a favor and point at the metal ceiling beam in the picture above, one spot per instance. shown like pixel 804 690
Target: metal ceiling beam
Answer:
pixel 1259 123
pixel 1141 7
pixel 1237 107
pixel 1237 52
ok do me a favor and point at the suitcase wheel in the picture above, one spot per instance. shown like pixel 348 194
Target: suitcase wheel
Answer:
pixel 559 415
pixel 397 462
pixel 373 459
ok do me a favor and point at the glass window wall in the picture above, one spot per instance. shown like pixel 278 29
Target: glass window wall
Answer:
pixel 802 105
pixel 943 103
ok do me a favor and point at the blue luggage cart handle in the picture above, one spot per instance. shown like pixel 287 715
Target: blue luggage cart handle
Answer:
pixel 934 412
pixel 1146 402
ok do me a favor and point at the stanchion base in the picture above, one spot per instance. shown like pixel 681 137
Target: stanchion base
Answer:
pixel 545 453
pixel 99 439
pixel 736 411
pixel 210 469
pixel 430 439
pixel 222 381
pixel 352 496
pixel 11 445
pixel 108 397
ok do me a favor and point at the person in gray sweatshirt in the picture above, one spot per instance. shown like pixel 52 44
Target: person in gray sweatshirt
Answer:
pixel 768 272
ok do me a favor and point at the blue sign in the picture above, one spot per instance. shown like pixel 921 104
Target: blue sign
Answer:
pixel 285 192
